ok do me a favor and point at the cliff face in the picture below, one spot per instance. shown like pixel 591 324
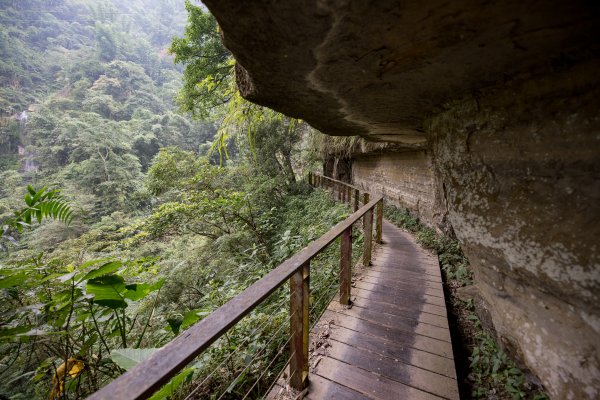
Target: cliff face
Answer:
pixel 497 108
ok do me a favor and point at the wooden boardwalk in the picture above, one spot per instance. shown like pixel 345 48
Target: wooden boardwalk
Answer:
pixel 394 341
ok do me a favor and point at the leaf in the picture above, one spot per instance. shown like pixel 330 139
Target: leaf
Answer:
pixel 12 280
pixel 137 291
pixel 67 277
pixel 72 369
pixel 104 269
pixel 175 324
pixel 108 291
pixel 193 316
pixel 171 386
pixel 88 344
pixel 129 358
pixel 13 332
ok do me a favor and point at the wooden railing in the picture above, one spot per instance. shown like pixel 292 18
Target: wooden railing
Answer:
pixel 149 375
pixel 350 194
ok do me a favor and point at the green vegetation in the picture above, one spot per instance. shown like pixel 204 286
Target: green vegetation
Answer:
pixel 490 373
pixel 150 231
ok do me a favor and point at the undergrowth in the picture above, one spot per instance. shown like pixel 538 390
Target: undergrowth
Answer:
pixel 488 372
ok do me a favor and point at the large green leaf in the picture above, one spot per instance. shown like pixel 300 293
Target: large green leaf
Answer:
pixel 108 291
pixel 171 386
pixel 129 358
pixel 137 291
pixel 13 332
pixel 104 269
pixel 193 316
pixel 12 279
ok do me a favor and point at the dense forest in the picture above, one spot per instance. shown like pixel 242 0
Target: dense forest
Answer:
pixel 139 192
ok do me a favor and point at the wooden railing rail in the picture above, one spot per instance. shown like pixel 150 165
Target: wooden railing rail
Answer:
pixel 149 375
pixel 345 192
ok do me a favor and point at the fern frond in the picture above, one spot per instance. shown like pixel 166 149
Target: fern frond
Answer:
pixel 41 204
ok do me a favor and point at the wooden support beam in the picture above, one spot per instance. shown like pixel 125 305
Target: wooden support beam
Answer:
pixel 379 223
pixel 368 233
pixel 346 266
pixel 299 296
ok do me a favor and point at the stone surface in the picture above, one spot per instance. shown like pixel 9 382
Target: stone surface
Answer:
pixel 406 179
pixel 502 102
pixel 335 63
pixel 521 170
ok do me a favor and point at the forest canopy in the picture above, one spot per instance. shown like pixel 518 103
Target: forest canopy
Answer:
pixel 121 225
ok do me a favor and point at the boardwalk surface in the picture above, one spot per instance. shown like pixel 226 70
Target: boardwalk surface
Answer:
pixel 393 342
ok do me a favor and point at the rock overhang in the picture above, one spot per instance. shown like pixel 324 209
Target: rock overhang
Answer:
pixel 379 69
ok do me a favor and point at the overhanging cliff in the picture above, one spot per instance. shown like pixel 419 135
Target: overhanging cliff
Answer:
pixel 497 110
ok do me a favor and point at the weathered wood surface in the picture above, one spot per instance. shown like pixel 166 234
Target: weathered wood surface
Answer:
pixel 393 342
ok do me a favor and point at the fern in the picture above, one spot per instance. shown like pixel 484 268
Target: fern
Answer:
pixel 40 204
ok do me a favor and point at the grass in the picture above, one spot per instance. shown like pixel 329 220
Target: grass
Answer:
pixel 485 371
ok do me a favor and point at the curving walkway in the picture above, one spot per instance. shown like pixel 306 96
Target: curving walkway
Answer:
pixel 393 342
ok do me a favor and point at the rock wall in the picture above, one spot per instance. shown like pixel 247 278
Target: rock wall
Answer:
pixel 521 170
pixel 406 179
pixel 516 171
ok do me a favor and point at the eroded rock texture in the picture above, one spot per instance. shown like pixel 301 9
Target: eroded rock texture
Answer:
pixel 498 106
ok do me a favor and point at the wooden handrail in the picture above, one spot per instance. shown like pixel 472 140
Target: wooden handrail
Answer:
pixel 149 375
pixel 345 191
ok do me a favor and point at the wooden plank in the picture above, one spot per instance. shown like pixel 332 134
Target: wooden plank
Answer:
pixel 346 266
pixel 299 296
pixel 323 389
pixel 367 233
pixel 379 224
pixel 409 339
pixel 397 273
pixel 395 370
pixel 333 181
pixel 434 273
pixel 402 285
pixel 372 385
pixel 400 301
pixel 391 349
pixel 398 278
pixel 412 294
pixel 406 311
pixel 403 261
pixel 394 321
pixel 412 253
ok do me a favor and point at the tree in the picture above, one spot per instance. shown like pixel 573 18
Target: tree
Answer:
pixel 208 64
pixel 107 43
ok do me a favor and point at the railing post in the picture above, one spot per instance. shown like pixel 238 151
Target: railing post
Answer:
pixel 368 233
pixel 346 266
pixel 299 296
pixel 379 223
pixel 356 199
